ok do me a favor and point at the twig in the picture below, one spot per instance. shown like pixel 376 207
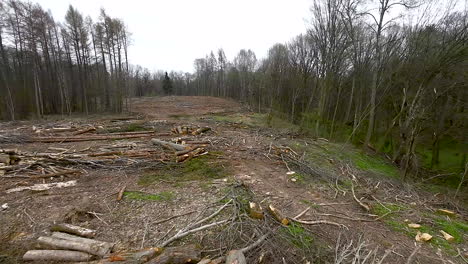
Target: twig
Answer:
pixel 172 217
pixel 186 233
pixel 366 207
pixel 318 222
pixel 302 213
pixel 209 217
pixel 255 244
pixel 413 254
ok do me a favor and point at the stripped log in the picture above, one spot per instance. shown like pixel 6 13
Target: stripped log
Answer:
pixel 178 255
pixel 75 230
pixel 56 255
pixel 169 145
pixel 95 248
pixel 106 246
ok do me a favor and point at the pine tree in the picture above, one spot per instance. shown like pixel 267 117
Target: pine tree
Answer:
pixel 167 85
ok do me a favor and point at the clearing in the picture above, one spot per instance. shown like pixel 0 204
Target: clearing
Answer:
pixel 352 203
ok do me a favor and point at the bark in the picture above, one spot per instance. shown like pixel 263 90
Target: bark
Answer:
pixel 56 255
pixel 178 255
pixel 76 230
pixel 95 247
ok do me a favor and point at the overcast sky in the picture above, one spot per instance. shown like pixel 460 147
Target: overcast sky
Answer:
pixel 171 34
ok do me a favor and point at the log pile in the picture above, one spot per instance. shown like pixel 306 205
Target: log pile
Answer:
pixel 69 243
pixel 187 130
pixel 183 150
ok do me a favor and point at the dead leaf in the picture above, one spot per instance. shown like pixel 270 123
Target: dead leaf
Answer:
pixel 414 226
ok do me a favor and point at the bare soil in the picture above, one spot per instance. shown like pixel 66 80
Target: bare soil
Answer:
pixel 247 155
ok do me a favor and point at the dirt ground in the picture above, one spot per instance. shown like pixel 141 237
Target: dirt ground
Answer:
pixel 247 157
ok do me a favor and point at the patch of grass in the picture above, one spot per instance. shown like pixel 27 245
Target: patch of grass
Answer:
pixel 257 120
pixel 433 226
pixel 134 127
pixel 374 163
pixel 162 196
pixel 198 169
pixel 384 208
pixel 298 236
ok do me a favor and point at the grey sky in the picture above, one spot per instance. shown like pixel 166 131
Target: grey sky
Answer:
pixel 170 34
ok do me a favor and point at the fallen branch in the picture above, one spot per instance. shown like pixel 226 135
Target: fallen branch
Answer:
pixel 319 222
pixel 365 206
pixel 43 187
pixel 121 193
pixel 186 233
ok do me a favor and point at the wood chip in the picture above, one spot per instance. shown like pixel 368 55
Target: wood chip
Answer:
pixel 423 237
pixel 447 236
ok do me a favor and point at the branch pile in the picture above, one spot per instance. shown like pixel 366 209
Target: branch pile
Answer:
pixel 66 162
pixel 292 159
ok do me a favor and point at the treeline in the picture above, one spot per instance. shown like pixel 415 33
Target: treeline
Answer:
pixel 49 67
pixel 362 76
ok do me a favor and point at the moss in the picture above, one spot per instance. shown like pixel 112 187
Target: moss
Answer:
pixel 198 169
pixel 298 236
pixel 162 196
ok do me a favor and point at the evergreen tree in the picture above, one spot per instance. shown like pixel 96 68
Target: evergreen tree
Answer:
pixel 167 85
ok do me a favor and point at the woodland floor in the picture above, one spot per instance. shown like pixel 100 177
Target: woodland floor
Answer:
pixel 247 160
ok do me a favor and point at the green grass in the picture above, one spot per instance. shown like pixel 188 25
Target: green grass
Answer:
pixel 384 208
pixel 134 127
pixel 432 224
pixel 160 197
pixel 198 169
pixel 298 236
pixel 374 163
pixel 256 120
